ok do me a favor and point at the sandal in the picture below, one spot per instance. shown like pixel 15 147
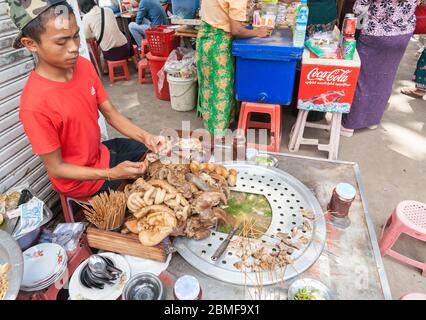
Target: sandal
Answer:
pixel 412 92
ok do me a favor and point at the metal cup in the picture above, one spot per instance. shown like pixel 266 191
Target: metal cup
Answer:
pixel 143 286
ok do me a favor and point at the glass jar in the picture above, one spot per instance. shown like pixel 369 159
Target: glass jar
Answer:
pixel 341 200
pixel 187 288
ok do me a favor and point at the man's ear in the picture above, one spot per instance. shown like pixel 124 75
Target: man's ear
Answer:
pixel 29 43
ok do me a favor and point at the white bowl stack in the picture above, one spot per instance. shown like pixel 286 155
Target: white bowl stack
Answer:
pixel 44 264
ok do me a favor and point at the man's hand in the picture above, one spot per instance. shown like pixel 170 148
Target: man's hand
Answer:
pixel 127 170
pixel 155 143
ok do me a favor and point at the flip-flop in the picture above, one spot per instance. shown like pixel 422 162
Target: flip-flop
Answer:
pixel 411 93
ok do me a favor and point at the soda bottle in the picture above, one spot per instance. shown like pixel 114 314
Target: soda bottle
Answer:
pixel 300 24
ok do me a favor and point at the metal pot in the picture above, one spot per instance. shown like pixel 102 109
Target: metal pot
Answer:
pixel 143 286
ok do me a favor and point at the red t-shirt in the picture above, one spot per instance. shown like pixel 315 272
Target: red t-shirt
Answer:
pixel 65 115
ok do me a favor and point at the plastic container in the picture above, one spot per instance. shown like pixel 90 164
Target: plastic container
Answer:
pixel 266 68
pixel 187 288
pixel 183 93
pixel 161 40
pixel 341 200
pixel 185 9
pixel 155 65
pixel 30 239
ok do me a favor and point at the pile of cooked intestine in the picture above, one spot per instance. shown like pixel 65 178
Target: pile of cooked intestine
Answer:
pixel 177 200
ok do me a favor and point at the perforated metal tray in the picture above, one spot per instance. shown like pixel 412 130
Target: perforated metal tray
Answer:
pixel 287 197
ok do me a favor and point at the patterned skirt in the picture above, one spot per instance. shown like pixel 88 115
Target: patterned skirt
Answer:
pixel 420 75
pixel 216 76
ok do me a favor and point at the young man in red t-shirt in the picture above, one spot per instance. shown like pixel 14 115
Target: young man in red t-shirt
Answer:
pixel 60 104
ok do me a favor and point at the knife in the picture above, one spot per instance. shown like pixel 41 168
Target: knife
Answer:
pixel 221 249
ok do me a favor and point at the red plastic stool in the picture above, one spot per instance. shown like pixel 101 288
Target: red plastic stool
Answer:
pixel 67 209
pixel 112 65
pixel 136 51
pixel 144 48
pixel 245 123
pixel 144 71
pixel 409 217
pixel 413 296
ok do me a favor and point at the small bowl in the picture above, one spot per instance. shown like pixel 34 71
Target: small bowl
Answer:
pixel 321 292
pixel 272 161
pixel 143 286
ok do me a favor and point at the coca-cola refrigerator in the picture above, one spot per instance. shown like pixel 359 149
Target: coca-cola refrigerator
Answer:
pixel 327 85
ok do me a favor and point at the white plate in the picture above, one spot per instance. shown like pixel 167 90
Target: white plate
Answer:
pixel 42 262
pixel 44 284
pixel 110 292
pixel 60 270
pixel 139 265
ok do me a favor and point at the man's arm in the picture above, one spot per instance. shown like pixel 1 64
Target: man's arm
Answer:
pixel 128 128
pixel 141 13
pixel 59 169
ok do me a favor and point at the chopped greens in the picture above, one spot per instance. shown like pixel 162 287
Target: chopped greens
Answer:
pixel 264 160
pixel 304 294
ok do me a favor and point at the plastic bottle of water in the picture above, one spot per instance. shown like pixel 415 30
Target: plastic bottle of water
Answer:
pixel 300 24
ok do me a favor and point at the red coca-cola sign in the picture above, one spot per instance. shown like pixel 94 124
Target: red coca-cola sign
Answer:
pixel 337 75
pixel 327 88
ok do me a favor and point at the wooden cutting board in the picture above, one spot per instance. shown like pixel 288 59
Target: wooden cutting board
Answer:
pixel 124 244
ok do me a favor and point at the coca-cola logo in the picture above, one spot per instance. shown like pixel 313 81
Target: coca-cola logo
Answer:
pixel 337 75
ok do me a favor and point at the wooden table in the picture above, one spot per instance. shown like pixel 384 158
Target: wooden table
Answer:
pixel 350 264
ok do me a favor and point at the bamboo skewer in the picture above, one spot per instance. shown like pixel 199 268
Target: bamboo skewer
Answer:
pixel 107 211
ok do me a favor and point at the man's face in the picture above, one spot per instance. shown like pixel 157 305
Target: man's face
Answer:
pixel 60 42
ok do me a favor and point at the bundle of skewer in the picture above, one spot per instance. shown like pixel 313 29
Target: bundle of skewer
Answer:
pixel 107 210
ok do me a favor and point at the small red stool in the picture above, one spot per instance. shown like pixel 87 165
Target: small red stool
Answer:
pixel 409 217
pixel 112 65
pixel 136 51
pixel 274 111
pixel 144 71
pixel 144 48
pixel 67 209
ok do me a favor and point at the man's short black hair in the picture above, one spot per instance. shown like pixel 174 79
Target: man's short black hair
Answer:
pixel 86 5
pixel 37 26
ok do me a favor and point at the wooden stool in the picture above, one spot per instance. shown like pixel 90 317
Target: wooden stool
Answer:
pixel 144 72
pixel 245 123
pixel 115 65
pixel 297 139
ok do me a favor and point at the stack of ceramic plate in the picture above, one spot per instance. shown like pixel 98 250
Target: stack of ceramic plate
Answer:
pixel 44 264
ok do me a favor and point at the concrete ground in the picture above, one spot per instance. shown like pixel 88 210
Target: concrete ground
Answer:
pixel 392 158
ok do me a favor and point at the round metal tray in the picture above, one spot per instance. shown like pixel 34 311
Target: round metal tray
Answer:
pixel 10 252
pixel 287 196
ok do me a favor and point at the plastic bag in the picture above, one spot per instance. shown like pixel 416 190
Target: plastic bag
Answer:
pixel 68 234
pixel 180 64
pixel 323 44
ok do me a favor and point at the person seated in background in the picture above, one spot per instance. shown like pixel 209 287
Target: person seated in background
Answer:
pixel 150 13
pixel 113 43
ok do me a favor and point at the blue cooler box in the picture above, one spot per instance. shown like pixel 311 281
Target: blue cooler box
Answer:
pixel 266 68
